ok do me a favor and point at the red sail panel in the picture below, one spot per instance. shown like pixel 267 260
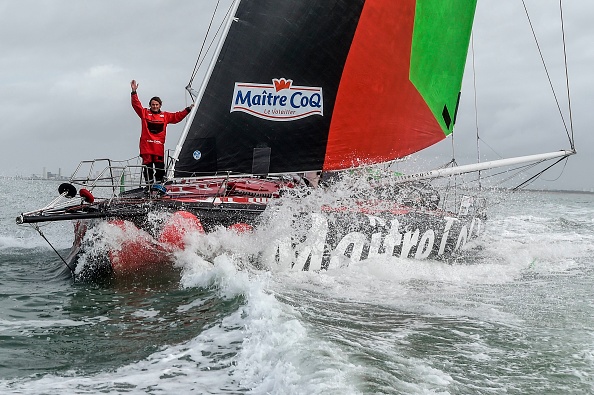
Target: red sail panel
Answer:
pixel 379 114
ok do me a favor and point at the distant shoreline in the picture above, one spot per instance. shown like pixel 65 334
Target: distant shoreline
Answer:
pixel 558 191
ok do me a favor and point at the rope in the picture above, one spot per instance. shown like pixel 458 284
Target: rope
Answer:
pixel 476 123
pixel 547 73
pixel 198 63
pixel 201 58
pixel 36 227
pixel 566 75
pixel 528 181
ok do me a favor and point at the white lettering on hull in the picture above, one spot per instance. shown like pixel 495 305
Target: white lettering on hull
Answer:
pixel 446 232
pixel 354 240
pixel 409 241
pixel 321 249
pixel 425 245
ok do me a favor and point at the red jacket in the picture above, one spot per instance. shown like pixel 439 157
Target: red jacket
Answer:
pixel 154 127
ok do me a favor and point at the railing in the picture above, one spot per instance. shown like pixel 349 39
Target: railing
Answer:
pixel 105 178
pixel 108 178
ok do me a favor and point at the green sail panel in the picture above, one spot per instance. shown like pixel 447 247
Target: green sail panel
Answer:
pixel 440 41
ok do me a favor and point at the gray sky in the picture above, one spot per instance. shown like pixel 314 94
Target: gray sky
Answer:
pixel 66 66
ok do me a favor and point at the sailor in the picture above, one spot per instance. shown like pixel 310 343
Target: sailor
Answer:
pixel 152 135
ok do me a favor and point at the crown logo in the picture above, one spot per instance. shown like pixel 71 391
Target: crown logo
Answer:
pixel 280 84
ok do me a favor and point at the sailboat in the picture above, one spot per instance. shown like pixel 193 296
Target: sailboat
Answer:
pixel 300 94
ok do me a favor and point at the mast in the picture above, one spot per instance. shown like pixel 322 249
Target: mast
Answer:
pixel 231 18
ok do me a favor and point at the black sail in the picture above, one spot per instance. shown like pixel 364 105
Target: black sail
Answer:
pixel 305 41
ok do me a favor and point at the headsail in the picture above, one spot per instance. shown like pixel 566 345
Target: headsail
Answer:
pixel 309 85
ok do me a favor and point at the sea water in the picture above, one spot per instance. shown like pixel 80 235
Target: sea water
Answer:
pixel 514 315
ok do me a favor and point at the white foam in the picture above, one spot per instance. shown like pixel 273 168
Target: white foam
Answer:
pixel 35 324
pixel 263 347
pixel 269 346
pixel 27 239
pixel 141 313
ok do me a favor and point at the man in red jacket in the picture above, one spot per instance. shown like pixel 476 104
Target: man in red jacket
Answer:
pixel 152 136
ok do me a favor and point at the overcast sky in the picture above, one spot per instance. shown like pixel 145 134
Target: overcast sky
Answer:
pixel 66 66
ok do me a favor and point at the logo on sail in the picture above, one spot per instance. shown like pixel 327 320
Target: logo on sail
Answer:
pixel 279 101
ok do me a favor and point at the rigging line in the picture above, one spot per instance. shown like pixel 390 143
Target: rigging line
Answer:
pixel 200 61
pixel 546 69
pixel 453 148
pixel 476 119
pixel 538 175
pixel 476 124
pixel 36 227
pixel 560 174
pixel 196 66
pixel 517 170
pixel 571 141
pixel 492 149
pixel 451 162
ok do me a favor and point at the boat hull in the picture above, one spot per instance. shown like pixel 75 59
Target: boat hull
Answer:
pixel 333 237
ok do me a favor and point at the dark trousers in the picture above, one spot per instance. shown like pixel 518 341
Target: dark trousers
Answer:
pixel 154 172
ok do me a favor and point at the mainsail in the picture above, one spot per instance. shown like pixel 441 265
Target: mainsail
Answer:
pixel 304 85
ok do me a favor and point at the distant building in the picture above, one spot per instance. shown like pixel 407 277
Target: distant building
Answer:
pixel 48 175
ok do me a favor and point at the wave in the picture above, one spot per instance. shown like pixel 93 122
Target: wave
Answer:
pixel 261 347
pixel 381 326
pixel 13 237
